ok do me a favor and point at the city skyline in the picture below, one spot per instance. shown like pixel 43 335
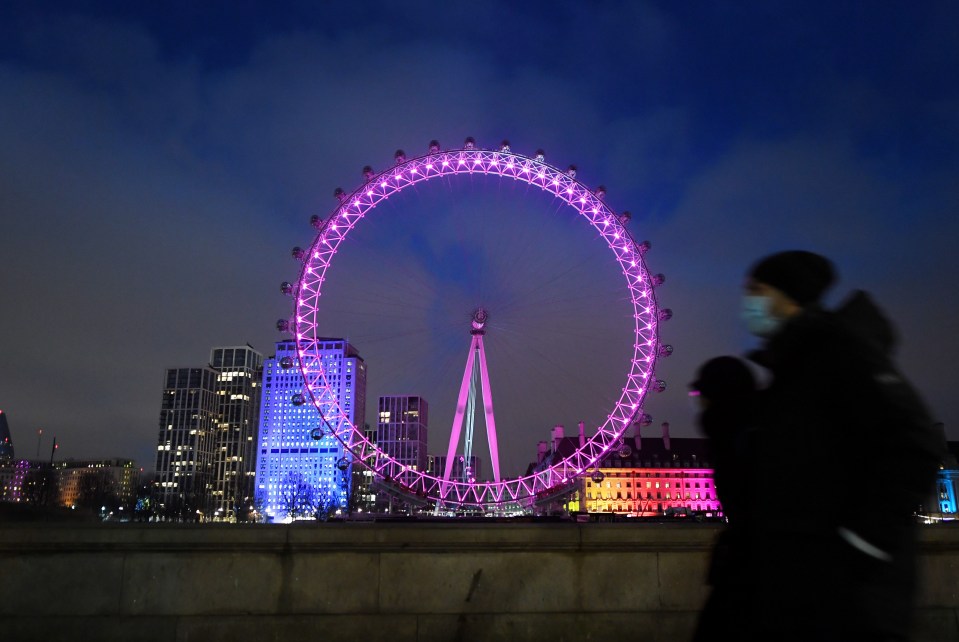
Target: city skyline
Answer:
pixel 159 167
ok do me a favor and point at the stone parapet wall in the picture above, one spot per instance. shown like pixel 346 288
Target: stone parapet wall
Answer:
pixel 381 581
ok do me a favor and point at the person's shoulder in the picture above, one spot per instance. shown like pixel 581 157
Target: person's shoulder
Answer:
pixel 862 318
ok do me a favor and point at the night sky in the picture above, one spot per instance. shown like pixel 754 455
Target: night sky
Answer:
pixel 158 164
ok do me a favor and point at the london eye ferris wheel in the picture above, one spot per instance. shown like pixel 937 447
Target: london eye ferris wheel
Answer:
pixel 636 287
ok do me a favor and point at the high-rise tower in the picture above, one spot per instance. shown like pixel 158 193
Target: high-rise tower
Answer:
pixel 6 441
pixel 205 462
pixel 401 433
pixel 186 441
pixel 239 374
pixel 301 467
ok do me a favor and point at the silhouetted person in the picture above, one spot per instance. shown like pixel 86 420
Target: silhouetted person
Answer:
pixel 845 453
pixel 725 392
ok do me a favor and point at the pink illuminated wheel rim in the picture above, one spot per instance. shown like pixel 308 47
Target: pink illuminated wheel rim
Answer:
pixel 504 163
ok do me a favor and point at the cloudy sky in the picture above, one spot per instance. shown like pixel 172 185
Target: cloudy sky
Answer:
pixel 159 160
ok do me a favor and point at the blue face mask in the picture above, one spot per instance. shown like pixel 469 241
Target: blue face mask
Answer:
pixel 755 313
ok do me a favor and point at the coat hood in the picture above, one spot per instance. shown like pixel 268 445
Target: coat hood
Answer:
pixel 860 315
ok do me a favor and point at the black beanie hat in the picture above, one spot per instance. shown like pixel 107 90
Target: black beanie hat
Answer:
pixel 802 276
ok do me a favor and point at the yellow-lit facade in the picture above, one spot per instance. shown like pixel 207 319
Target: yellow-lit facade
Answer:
pixel 648 492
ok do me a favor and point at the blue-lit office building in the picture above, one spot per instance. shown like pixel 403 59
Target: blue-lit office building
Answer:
pixel 297 475
pixel 947 484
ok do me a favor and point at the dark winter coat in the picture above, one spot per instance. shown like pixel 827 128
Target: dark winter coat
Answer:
pixel 729 389
pixel 844 446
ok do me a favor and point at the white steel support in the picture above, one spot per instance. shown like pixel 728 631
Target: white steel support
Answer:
pixel 476 353
pixel 488 411
pixel 469 422
pixel 460 411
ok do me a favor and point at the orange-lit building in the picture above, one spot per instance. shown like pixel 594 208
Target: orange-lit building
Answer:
pixel 96 481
